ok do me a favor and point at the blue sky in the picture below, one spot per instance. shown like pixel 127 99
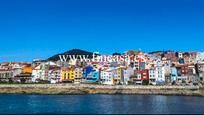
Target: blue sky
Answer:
pixel 41 28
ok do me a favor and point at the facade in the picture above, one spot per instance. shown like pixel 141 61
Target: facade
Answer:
pixel 152 76
pixel 78 75
pixel 174 74
pixel 161 75
pixel 40 73
pixel 91 75
pixel 6 75
pixel 192 76
pixel 180 55
pixel 54 74
pixel 141 75
pixel 16 74
pixel 182 71
pixel 118 76
pixel 200 57
pixel 127 73
pixel 23 74
pixel 87 70
pixel 157 75
pixel 167 70
pixel 67 74
pixel 107 77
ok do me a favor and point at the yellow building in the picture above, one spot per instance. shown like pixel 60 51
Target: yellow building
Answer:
pixel 67 74
pixel 120 72
pixel 120 77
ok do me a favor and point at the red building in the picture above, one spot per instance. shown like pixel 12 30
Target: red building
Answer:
pixel 182 69
pixel 142 75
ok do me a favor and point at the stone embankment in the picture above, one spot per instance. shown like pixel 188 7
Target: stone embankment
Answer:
pixel 99 89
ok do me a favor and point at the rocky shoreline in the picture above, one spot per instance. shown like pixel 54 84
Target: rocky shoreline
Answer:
pixel 69 89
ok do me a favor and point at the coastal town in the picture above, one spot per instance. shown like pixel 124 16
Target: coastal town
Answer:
pixel 155 68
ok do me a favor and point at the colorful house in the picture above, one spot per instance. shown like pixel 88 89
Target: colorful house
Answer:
pixel 40 72
pixel 91 75
pixel 182 72
pixel 200 57
pixel 192 77
pixel 118 77
pixel 67 74
pixel 107 77
pixel 5 75
pixel 25 75
pixel 78 75
pixel 174 74
pixel 127 73
pixel 112 76
pixel 157 75
pixel 141 75
pixel 54 74
pixel 87 70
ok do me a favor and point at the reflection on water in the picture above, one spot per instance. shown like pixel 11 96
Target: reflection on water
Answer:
pixel 11 103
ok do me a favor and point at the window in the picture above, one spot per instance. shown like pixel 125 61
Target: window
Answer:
pixel 139 76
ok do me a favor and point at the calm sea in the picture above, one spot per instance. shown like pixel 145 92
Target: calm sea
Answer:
pixel 99 104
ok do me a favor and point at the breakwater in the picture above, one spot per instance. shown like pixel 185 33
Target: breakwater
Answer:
pixel 99 89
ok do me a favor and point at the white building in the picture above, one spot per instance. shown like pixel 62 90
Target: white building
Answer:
pixel 200 56
pixel 41 72
pixel 16 69
pixel 107 77
pixel 54 75
pixel 127 73
pixel 180 55
pixel 157 75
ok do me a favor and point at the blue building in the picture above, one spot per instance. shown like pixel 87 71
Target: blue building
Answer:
pixel 91 75
pixel 174 74
pixel 87 70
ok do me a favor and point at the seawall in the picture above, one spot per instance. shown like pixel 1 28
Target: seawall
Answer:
pixel 99 89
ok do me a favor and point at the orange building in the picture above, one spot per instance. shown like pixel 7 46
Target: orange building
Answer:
pixel 27 69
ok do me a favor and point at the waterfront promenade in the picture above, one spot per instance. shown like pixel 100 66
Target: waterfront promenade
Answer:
pixel 100 89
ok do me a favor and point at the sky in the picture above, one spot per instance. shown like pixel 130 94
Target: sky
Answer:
pixel 32 29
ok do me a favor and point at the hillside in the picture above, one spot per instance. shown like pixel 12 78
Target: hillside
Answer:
pixel 71 52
